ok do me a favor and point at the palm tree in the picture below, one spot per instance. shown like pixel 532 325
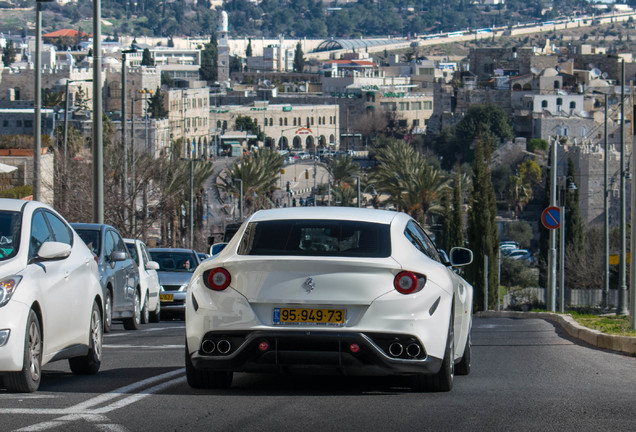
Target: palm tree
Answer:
pixel 259 173
pixel 342 168
pixel 519 193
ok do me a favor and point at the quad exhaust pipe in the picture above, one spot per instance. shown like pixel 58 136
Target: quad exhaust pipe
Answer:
pixel 412 350
pixel 396 349
pixel 224 346
pixel 208 346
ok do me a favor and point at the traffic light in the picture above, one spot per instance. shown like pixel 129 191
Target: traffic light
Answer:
pixel 306 174
pixel 288 186
pixel 282 171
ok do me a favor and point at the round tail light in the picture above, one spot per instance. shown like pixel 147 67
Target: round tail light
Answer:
pixel 217 279
pixel 407 282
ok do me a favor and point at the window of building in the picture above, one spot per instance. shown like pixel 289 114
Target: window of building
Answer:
pixel 294 121
pixel 416 106
pixel 416 123
pixel 559 101
pixel 428 105
pixel 403 106
pixel 544 104
pixel 285 122
pixel 572 105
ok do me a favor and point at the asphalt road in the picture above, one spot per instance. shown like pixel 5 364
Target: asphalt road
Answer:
pixel 525 376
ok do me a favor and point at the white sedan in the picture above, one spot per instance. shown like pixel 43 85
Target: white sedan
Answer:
pixel 51 303
pixel 356 291
pixel 148 280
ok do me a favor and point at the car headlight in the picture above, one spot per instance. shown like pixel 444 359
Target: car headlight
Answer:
pixel 8 286
pixel 183 287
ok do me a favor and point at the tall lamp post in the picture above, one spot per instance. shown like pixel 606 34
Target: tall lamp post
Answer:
pixel 37 102
pixel 98 143
pixel 124 182
pixel 622 295
pixel 568 185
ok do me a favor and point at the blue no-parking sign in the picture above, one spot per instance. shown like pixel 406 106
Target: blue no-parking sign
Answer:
pixel 551 217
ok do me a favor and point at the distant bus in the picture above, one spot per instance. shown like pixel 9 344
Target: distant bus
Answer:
pixel 455 34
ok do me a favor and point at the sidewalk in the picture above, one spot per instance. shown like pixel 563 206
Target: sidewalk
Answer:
pixel 624 344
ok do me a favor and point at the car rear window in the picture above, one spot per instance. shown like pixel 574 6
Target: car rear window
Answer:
pixel 337 238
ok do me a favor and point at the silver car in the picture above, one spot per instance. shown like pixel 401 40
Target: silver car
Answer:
pixel 118 272
pixel 175 270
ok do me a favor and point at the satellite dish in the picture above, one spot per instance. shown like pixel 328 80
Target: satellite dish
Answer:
pixel 604 75
pixel 534 70
pixel 267 83
pixel 595 73
pixel 558 68
pixel 585 113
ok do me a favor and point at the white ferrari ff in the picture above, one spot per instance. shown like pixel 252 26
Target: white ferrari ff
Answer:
pixel 50 297
pixel 356 291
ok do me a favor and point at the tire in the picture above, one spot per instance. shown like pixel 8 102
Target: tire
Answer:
pixel 442 381
pixel 206 379
pixel 463 367
pixel 90 363
pixel 155 316
pixel 108 311
pixel 133 322
pixel 28 379
pixel 145 313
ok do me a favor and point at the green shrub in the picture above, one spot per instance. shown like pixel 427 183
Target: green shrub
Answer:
pixel 17 192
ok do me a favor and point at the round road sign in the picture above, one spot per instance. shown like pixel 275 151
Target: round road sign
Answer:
pixel 551 217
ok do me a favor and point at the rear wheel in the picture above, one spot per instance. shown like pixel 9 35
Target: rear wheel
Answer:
pixel 463 367
pixel 133 322
pixel 108 311
pixel 145 313
pixel 90 363
pixel 28 379
pixel 206 379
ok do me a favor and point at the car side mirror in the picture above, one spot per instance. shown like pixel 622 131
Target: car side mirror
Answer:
pixel 460 256
pixel 52 251
pixel 152 265
pixel 118 256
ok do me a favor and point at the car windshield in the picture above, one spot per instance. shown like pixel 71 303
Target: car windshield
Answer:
pixel 10 224
pixel 91 238
pixel 174 261
pixel 337 238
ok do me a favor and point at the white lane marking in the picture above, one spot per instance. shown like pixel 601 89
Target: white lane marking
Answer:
pixel 145 346
pixel 112 335
pixel 83 411
pixel 138 396
pixel 83 407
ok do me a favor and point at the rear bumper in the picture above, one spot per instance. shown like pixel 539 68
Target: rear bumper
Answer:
pixel 350 353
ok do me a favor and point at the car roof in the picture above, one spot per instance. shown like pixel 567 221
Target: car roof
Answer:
pixel 172 250
pixel 329 213
pixel 11 204
pixel 90 226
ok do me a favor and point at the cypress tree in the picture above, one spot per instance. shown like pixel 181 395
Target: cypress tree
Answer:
pixel 483 236
pixel 299 58
pixel 146 58
pixel 209 57
pixel 574 229
pixel 457 221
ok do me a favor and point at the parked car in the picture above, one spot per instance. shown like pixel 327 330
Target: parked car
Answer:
pixel 118 274
pixel 175 270
pixel 50 296
pixel 148 280
pixel 520 255
pixel 356 291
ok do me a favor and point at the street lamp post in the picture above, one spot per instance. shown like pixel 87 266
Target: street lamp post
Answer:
pixel 98 144
pixel 37 102
pixel 622 295
pixel 124 183
pixel 240 197
pixel 551 299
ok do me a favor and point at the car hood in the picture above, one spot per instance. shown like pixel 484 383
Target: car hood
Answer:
pixel 173 278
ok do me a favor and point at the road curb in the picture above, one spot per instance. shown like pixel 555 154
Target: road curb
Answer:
pixel 624 344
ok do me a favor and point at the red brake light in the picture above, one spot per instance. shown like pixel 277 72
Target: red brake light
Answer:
pixel 407 282
pixel 217 279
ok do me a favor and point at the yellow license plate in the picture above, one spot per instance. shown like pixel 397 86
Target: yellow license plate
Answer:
pixel 308 316
pixel 166 297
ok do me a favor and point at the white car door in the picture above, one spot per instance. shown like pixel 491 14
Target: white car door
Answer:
pixel 50 280
pixel 77 272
